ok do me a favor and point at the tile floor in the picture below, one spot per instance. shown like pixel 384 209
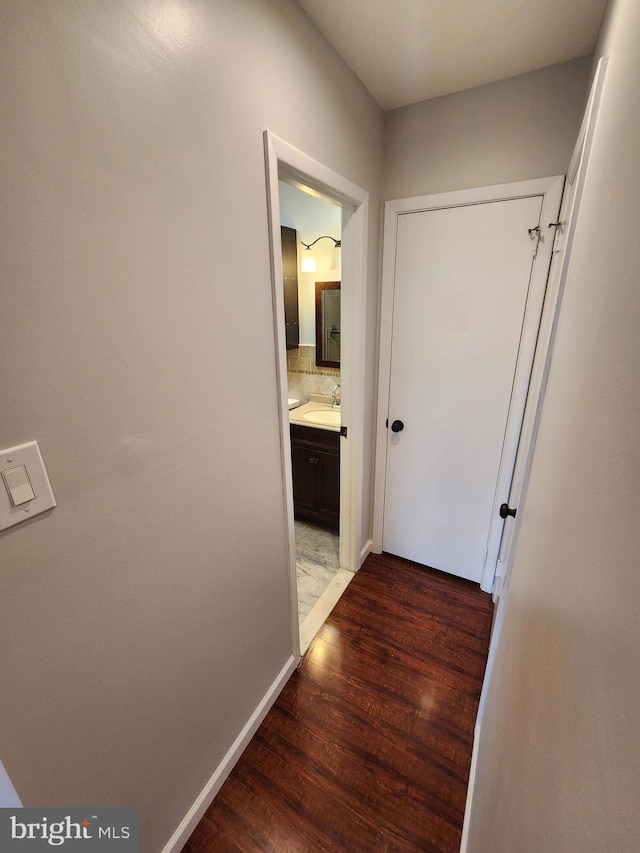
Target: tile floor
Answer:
pixel 320 580
pixel 317 563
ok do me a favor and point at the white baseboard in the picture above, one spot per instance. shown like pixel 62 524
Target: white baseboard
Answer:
pixel 364 553
pixel 204 799
pixel 472 780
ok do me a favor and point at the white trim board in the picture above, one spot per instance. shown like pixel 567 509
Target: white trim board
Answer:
pixel 287 163
pixel 367 548
pixel 550 189
pixel 205 797
pixel 472 780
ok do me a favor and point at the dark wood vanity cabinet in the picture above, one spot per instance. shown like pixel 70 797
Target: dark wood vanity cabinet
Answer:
pixel 289 237
pixel 315 456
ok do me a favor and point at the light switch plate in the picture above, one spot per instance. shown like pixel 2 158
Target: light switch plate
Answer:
pixel 28 455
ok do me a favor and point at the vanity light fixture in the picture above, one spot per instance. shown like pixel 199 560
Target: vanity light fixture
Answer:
pixel 308 262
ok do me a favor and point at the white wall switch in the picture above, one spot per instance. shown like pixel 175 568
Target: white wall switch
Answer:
pixel 18 485
pixel 25 489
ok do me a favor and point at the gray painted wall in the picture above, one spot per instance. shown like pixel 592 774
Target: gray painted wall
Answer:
pixel 137 344
pixel 142 621
pixel 558 767
pixel 520 128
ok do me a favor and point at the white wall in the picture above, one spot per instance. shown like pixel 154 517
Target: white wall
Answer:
pixel 512 130
pixel 139 625
pixel 558 768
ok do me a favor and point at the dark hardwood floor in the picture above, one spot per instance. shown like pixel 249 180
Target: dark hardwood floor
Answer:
pixel 368 747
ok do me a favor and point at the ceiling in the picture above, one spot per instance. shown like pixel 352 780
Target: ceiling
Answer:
pixel 309 215
pixel 406 51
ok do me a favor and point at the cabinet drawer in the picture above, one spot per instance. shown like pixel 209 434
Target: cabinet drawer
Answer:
pixel 324 438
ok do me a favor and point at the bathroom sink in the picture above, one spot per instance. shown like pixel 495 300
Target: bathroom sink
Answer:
pixel 327 417
pixel 317 415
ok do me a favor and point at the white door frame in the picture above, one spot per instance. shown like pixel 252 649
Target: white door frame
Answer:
pixel 551 191
pixel 562 248
pixel 285 162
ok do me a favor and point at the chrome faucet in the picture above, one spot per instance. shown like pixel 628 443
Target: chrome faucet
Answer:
pixel 335 396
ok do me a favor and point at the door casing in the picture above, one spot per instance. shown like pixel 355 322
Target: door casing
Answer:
pixel 560 264
pixel 285 162
pixel 551 191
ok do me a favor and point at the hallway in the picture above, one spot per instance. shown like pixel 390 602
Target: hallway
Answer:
pixel 368 747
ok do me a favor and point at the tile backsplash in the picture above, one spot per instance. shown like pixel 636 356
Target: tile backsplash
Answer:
pixel 305 378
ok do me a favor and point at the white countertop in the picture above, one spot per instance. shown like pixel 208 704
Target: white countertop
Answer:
pixel 316 416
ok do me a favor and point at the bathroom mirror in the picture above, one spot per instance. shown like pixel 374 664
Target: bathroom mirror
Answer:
pixel 327 323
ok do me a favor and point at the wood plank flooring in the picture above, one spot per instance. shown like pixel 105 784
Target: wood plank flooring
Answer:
pixel 368 747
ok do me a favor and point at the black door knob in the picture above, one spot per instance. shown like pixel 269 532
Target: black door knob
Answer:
pixel 506 510
pixel 397 426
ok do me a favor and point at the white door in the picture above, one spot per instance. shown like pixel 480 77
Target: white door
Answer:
pixel 460 310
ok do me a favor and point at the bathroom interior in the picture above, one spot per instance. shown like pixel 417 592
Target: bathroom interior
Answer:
pixel 312 287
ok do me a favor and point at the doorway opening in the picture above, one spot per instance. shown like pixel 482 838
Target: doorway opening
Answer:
pixel 311 233
pixel 336 451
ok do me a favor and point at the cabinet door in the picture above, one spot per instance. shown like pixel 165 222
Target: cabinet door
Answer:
pixel 305 461
pixel 328 494
pixel 289 237
pixel 315 457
